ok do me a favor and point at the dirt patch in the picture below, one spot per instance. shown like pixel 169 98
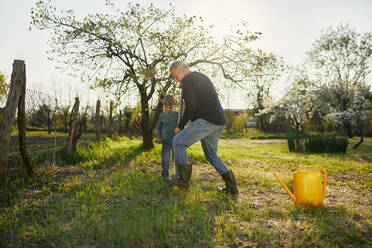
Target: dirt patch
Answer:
pixel 205 174
pixel 344 196
pixel 70 170
pixel 250 142
pixel 349 178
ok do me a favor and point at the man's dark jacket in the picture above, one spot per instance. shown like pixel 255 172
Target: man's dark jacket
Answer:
pixel 201 100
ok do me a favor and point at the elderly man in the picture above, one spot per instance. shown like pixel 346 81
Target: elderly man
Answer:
pixel 203 108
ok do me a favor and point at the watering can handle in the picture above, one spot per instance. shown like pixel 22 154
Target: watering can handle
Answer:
pixel 285 186
pixel 324 174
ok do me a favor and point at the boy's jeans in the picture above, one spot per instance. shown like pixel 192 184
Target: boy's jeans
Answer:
pixel 208 133
pixel 165 157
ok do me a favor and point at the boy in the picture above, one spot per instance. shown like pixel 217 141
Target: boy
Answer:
pixel 168 121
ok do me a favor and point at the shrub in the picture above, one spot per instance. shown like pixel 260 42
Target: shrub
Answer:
pixel 318 144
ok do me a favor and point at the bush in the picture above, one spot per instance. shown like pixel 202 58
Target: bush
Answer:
pixel 318 144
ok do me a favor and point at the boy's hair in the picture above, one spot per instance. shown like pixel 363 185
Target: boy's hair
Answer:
pixel 168 100
pixel 178 63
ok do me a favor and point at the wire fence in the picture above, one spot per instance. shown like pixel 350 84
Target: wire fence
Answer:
pixel 48 122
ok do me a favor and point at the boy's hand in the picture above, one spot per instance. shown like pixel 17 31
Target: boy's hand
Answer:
pixel 177 130
pixel 159 141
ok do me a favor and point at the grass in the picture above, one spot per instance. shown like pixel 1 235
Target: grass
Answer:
pixel 111 195
pixel 254 133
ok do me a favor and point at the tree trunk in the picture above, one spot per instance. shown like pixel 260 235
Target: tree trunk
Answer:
pixel 109 131
pixel 361 136
pixel 85 120
pixel 74 117
pixel 120 124
pixel 22 129
pixel 6 126
pixel 348 130
pixel 145 124
pixel 79 130
pixel 98 121
pixel 147 127
pixel 104 123
pixel 49 122
pixel 65 118
pixel 297 135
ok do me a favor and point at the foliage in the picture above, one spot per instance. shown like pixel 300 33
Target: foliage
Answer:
pixel 343 54
pixel 332 87
pixel 132 49
pixel 4 87
pixel 343 102
pixel 293 106
pixel 235 122
pixel 341 59
pixel 41 117
pixel 268 70
pixel 318 144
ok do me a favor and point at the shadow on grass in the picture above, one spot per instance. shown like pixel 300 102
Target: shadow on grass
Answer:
pixel 125 210
pixel 335 226
pixel 311 227
pixel 137 210
pixel 97 154
pixel 18 181
pixel 121 156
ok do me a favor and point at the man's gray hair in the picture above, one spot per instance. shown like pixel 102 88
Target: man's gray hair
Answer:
pixel 177 64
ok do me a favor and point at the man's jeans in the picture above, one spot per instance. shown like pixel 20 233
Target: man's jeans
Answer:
pixel 208 133
pixel 165 157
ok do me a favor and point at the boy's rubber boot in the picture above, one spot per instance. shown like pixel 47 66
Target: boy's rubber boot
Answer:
pixel 230 185
pixel 183 179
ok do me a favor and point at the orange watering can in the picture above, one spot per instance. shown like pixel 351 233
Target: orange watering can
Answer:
pixel 309 186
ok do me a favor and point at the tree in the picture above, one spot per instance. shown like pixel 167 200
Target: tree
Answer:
pixel 360 103
pixel 42 117
pixel 65 115
pixel 268 69
pixel 293 106
pixel 341 58
pixel 133 49
pixel 345 103
pixel 4 87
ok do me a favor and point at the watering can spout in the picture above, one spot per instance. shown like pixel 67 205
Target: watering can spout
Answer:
pixel 285 187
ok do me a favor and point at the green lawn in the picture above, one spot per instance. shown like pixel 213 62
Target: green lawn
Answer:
pixel 111 195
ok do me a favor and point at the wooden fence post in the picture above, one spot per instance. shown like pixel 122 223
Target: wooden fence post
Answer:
pixel 74 118
pixel 109 131
pixel 22 128
pixel 7 123
pixel 98 121
pixel 120 124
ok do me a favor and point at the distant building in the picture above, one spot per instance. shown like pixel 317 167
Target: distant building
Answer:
pixel 251 122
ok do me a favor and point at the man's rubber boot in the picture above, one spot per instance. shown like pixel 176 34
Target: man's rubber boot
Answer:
pixel 230 184
pixel 183 179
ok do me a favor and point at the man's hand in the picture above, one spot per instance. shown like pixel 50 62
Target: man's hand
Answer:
pixel 159 141
pixel 177 130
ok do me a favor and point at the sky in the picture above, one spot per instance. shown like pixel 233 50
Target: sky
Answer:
pixel 288 27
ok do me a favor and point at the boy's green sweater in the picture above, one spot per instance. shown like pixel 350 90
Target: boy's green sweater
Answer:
pixel 166 126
